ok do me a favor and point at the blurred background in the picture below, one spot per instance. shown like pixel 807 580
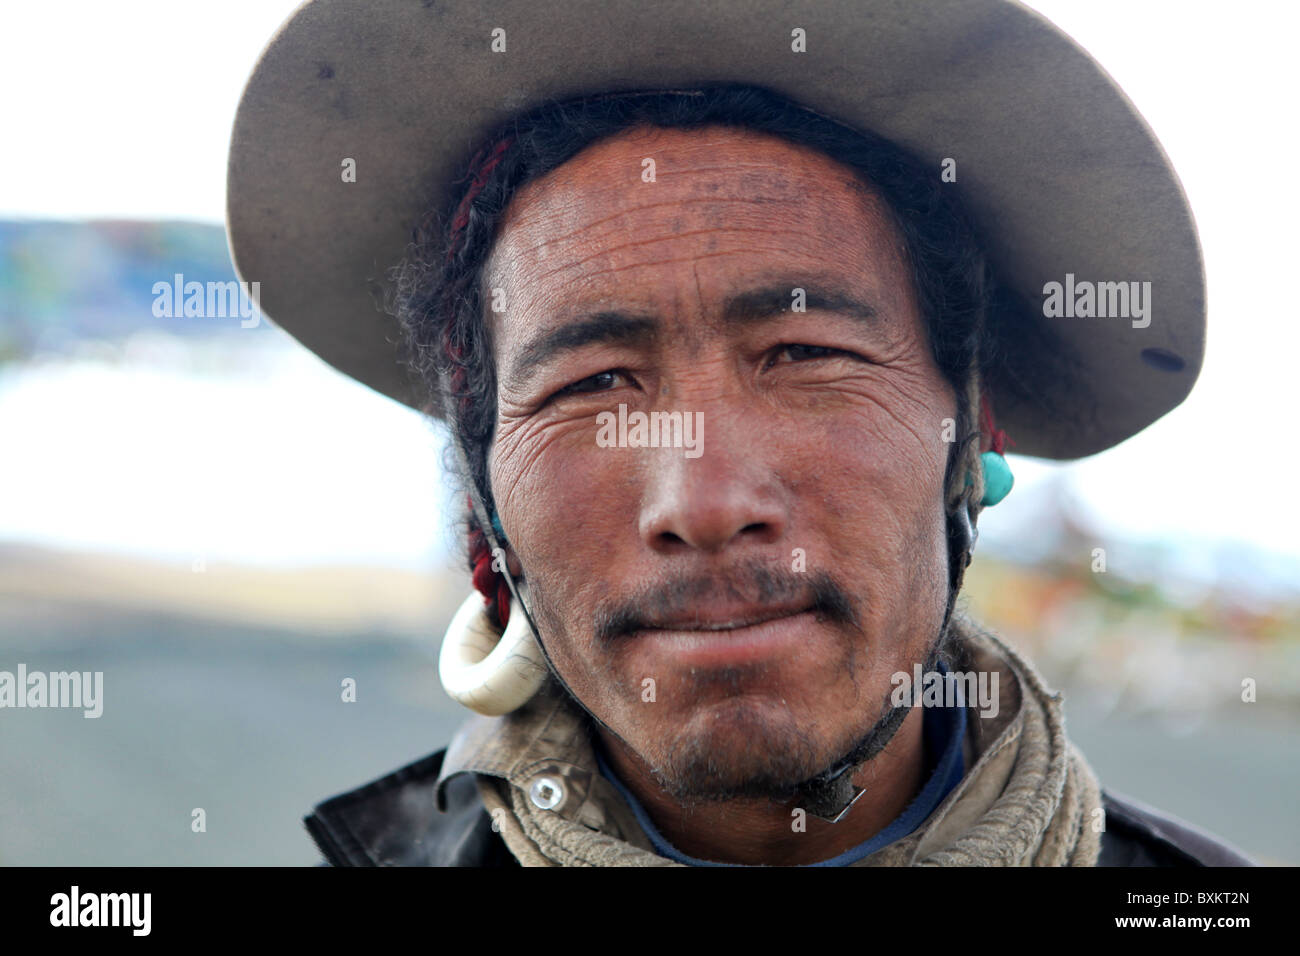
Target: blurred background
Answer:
pixel 229 529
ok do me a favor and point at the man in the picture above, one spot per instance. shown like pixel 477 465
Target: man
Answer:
pixel 721 366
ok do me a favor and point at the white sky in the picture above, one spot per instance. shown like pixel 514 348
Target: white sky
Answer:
pixel 123 110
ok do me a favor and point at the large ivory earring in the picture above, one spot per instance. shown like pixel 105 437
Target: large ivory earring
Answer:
pixel 489 671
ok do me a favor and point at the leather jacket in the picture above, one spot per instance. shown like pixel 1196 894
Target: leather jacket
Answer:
pixel 395 821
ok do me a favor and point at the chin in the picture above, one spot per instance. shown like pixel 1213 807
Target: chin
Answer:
pixel 741 747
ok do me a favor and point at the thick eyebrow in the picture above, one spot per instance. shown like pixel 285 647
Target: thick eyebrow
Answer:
pixel 771 301
pixel 595 328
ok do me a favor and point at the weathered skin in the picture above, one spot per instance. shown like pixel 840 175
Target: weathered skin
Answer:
pixel 836 453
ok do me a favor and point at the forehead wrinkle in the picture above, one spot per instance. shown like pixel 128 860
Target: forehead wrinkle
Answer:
pixel 659 262
pixel 632 244
pixel 786 182
pixel 538 218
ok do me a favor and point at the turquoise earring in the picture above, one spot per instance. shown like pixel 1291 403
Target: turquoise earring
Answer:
pixel 997 478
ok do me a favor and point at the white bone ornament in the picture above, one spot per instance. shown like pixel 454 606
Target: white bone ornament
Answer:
pixel 489 672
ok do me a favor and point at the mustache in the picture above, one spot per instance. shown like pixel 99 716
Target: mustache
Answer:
pixel 751 582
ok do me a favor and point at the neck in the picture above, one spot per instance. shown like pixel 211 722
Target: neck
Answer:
pixel 760 832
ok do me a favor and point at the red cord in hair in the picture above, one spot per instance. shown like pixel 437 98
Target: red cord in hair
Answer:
pixel 488 581
pixel 997 438
pixel 480 168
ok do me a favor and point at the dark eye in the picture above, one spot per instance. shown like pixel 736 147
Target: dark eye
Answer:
pixel 600 382
pixel 804 352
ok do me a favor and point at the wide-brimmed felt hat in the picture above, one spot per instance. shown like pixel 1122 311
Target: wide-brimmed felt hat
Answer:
pixel 1062 177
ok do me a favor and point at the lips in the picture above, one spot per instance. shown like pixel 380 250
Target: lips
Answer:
pixel 724 618
pixel 725 638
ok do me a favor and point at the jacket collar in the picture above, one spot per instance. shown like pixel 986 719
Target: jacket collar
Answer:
pixel 549 738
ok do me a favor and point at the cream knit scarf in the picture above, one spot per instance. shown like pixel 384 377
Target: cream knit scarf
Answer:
pixel 1028 797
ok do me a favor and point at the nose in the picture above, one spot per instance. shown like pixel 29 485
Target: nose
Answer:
pixel 728 497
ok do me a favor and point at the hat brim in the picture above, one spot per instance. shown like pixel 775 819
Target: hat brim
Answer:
pixel 1059 171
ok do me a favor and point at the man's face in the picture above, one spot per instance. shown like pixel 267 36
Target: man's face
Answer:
pixel 732 612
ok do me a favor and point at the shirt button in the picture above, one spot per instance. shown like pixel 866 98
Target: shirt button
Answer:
pixel 547 793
